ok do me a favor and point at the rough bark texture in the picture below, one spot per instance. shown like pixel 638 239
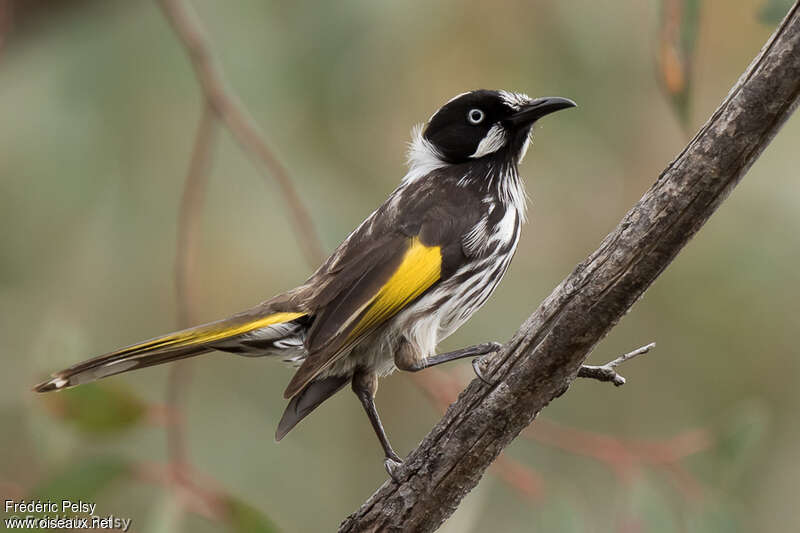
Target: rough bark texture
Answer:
pixel 544 356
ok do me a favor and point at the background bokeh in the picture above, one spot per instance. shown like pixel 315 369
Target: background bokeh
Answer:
pixel 98 108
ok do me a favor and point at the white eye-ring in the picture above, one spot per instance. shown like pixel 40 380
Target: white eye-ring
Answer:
pixel 475 116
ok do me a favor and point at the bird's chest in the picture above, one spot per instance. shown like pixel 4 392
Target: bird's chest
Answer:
pixel 491 255
pixel 494 235
pixel 442 311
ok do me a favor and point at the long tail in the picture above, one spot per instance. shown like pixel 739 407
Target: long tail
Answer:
pixel 171 347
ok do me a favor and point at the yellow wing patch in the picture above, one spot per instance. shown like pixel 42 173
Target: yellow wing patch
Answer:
pixel 208 333
pixel 421 267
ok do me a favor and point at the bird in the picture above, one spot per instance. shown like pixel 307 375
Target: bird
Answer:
pixel 407 277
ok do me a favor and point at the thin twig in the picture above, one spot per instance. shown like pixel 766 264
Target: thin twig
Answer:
pixel 190 217
pixel 189 221
pixel 233 114
pixel 607 372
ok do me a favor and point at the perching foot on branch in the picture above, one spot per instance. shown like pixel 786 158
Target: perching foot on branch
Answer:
pixel 392 464
pixel 491 347
pixel 476 366
pixel 607 372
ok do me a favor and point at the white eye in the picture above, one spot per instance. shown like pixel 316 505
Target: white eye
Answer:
pixel 475 116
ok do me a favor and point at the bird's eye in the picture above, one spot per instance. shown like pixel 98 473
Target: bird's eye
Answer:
pixel 475 116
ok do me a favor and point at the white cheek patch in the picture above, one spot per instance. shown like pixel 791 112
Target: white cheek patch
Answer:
pixel 494 140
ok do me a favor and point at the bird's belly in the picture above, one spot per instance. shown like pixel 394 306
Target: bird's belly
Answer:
pixel 375 352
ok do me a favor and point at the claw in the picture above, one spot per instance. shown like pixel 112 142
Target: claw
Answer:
pixel 476 367
pixel 392 465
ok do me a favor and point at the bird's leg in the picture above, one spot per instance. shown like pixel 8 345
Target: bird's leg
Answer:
pixel 408 358
pixel 478 350
pixel 365 384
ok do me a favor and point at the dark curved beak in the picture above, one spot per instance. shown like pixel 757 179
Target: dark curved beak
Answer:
pixel 539 107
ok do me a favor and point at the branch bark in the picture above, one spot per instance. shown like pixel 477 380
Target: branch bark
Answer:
pixel 544 356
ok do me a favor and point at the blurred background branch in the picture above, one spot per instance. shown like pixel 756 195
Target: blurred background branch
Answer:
pixel 189 231
pixel 228 107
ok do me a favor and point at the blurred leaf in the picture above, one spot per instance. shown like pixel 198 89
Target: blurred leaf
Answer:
pixel 773 11
pixel 561 514
pixel 97 408
pixel 712 517
pixel 739 438
pixel 650 509
pixel 82 480
pixel 677 38
pixel 245 518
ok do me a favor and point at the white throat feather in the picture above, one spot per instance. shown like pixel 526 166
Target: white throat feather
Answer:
pixel 422 156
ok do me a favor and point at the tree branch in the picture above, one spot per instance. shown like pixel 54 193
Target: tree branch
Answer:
pixel 224 102
pixel 608 372
pixel 544 356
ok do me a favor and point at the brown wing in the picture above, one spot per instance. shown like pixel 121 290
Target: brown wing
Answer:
pixel 384 267
pixel 401 270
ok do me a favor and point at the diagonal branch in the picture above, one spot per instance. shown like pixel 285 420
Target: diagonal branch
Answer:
pixel 544 356
pixel 224 102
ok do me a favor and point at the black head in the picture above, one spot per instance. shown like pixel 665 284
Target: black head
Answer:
pixel 480 123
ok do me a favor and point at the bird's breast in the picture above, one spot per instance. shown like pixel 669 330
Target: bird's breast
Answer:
pixel 452 302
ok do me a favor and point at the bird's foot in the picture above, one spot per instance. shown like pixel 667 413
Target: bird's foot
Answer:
pixel 487 348
pixel 476 366
pixel 392 463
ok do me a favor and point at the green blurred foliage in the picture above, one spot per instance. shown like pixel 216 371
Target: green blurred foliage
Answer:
pixel 738 441
pixel 98 106
pixel 83 480
pixel 245 518
pixel 97 408
pixel 773 11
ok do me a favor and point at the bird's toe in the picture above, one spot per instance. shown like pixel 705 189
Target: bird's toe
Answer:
pixel 476 366
pixel 392 465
